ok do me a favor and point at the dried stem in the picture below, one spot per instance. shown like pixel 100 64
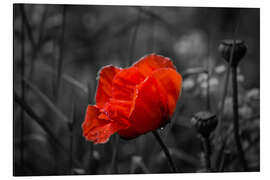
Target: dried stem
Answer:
pixel 165 150
pixel 236 119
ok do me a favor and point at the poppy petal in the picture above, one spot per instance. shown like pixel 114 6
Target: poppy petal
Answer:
pixel 96 129
pixel 118 111
pixel 104 90
pixel 125 82
pixel 148 112
pixel 170 83
pixel 152 62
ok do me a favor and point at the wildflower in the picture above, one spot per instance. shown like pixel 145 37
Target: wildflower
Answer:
pixel 133 101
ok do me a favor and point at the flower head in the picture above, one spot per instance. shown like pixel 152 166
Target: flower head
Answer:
pixel 133 101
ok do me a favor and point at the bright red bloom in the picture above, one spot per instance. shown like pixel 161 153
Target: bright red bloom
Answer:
pixel 133 101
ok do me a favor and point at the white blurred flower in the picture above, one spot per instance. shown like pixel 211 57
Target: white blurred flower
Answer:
pixel 245 112
pixel 137 159
pixel 240 78
pixel 188 84
pixel 228 104
pixel 203 85
pixel 213 81
pixel 96 155
pixel 202 78
pixel 253 94
pixel 220 69
pixel 192 44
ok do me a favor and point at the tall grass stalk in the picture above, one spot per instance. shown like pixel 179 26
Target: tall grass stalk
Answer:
pixel 133 40
pixel 22 87
pixel 59 65
pixel 42 123
pixel 71 124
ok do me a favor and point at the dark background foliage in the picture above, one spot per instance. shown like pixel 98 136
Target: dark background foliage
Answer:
pixel 58 50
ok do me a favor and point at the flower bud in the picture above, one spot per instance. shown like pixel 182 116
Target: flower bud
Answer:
pixel 204 122
pixel 239 52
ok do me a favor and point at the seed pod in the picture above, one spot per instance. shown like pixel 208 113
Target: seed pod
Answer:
pixel 204 122
pixel 239 52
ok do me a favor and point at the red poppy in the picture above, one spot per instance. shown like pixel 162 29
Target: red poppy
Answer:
pixel 133 101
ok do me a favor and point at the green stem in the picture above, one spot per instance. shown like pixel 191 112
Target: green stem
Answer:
pixel 165 150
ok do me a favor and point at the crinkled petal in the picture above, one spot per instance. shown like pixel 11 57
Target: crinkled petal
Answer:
pixel 154 102
pixel 118 111
pixel 148 113
pixel 125 82
pixel 97 129
pixel 152 62
pixel 104 90
pixel 170 84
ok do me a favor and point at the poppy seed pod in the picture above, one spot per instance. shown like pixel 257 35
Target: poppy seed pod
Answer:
pixel 239 52
pixel 204 122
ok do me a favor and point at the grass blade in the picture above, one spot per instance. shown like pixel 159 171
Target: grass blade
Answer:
pixel 47 101
pixel 43 125
pixel 60 60
pixel 65 77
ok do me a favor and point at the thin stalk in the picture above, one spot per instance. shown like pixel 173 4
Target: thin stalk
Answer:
pixel 23 90
pixel 208 102
pixel 208 107
pixel 60 60
pixel 133 40
pixel 114 167
pixel 42 123
pixel 165 150
pixel 91 159
pixel 236 119
pixel 71 124
pixel 207 155
pixel 34 45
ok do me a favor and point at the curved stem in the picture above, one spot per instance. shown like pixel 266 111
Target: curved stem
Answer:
pixel 236 121
pixel 165 150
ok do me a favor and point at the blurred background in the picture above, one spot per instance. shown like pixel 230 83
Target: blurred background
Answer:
pixel 58 50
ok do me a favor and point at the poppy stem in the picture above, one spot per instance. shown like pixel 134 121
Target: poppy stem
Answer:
pixel 114 167
pixel 207 155
pixel 236 119
pixel 165 150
